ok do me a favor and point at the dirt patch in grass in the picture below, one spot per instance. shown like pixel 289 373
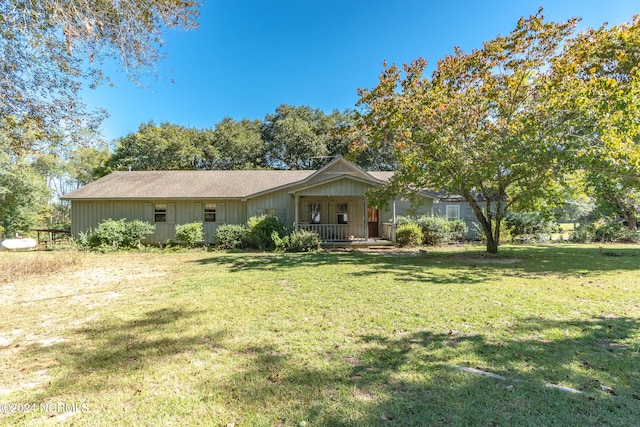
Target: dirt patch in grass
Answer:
pixel 49 305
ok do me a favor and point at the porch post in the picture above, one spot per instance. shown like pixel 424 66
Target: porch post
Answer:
pixel 297 214
pixel 366 219
pixel 392 232
pixel 394 212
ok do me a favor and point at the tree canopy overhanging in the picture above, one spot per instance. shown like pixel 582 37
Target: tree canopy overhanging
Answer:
pixel 50 49
pixel 498 125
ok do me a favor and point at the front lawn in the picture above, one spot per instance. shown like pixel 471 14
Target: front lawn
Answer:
pixel 538 335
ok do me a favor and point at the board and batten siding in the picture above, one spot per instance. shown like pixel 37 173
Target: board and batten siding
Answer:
pixel 343 187
pixel 425 206
pixel 86 215
pixel 465 213
pixel 280 201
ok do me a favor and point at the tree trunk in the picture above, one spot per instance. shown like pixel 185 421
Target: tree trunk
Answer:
pixel 632 222
pixel 493 240
pixel 492 246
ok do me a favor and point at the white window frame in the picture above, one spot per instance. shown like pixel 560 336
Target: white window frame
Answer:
pixel 457 211
pixel 342 211
pixel 209 210
pixel 160 211
pixel 315 213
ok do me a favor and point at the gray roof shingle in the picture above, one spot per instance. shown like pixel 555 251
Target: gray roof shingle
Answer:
pixel 186 184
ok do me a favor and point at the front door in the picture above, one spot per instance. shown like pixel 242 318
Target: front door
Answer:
pixel 372 219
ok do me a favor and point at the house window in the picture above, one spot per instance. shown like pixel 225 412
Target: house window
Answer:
pixel 314 213
pixel 160 212
pixel 342 213
pixel 453 211
pixel 210 212
pixel 272 213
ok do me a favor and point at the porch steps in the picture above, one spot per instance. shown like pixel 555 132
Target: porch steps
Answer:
pixel 377 244
pixel 382 247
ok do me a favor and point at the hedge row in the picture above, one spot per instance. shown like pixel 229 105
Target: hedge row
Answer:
pixel 429 230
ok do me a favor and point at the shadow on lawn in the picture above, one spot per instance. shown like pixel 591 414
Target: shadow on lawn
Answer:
pixel 115 346
pixel 409 380
pixel 469 266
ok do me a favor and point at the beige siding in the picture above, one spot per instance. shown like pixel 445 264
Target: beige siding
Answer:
pixel 282 202
pixel 337 169
pixel 227 212
pixel 87 215
pixel 343 187
pixel 424 206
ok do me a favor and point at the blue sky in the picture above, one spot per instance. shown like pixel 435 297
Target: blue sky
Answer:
pixel 249 57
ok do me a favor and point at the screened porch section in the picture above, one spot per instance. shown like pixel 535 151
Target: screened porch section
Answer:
pixel 335 219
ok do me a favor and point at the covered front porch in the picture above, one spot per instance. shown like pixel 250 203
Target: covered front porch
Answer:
pixel 340 218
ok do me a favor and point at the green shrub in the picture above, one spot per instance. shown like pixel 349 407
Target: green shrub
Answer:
pixel 629 236
pixel 529 227
pixel 279 243
pixel 457 230
pixel 261 228
pixel 402 220
pixel 435 229
pixel 230 236
pixel 117 234
pixel 606 230
pixel 581 235
pixel 191 233
pixel 303 241
pixel 409 235
pixel 135 231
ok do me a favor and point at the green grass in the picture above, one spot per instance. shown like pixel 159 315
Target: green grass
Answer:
pixel 335 339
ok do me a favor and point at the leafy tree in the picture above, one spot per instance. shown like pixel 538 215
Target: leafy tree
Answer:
pixel 367 154
pixel 164 147
pixel 606 80
pixel 294 137
pixel 88 163
pixel 50 48
pixel 24 194
pixel 575 205
pixel 488 122
pixel 25 203
pixel 617 195
pixel 238 145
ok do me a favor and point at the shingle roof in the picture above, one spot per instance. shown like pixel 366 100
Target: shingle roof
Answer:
pixel 186 184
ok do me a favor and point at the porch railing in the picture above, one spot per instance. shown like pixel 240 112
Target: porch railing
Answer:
pixel 337 232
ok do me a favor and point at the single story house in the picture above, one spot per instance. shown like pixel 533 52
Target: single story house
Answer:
pixel 330 201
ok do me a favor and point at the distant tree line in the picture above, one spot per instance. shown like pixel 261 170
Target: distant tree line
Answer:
pixel 294 137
